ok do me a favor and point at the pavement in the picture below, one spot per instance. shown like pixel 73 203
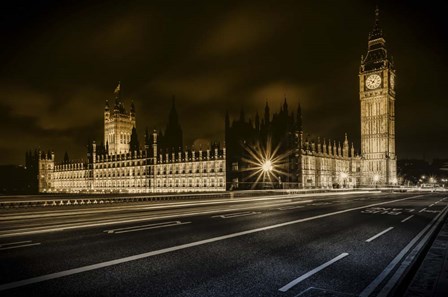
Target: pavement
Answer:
pixel 334 245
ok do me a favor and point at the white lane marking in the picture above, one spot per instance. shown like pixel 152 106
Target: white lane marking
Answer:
pixel 60 274
pixel 290 207
pixel 431 205
pixel 432 211
pixel 237 214
pixel 385 291
pixel 18 246
pixel 177 204
pixel 312 272
pixel 133 220
pixel 146 227
pixel 379 234
pixel 408 218
pixel 380 278
pixel 423 210
pixel 140 226
pixel 13 243
pixel 320 203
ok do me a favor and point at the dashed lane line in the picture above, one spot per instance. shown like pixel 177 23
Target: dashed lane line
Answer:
pixel 406 219
pixel 145 227
pixel 404 266
pixel 100 265
pixel 236 215
pixel 290 207
pixel 379 234
pixel 16 245
pixel 382 276
pixel 312 272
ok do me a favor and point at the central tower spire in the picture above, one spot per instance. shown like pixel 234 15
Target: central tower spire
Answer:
pixel 377 96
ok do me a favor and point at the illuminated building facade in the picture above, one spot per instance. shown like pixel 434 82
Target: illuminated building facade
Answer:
pixel 310 163
pixel 118 124
pixel 271 151
pixel 300 162
pixel 121 165
pixel 377 96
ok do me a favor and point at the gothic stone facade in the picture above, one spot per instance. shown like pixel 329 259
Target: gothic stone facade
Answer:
pixel 304 162
pixel 377 95
pixel 313 164
pixel 119 165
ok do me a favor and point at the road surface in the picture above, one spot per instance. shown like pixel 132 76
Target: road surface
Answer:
pixel 297 245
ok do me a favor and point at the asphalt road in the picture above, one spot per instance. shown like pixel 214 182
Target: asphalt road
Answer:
pixel 334 245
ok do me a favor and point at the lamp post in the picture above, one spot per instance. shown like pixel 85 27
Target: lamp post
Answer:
pixel 344 179
pixel 376 178
pixel 267 168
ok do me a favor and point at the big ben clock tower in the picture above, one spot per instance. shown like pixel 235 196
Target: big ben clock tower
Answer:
pixel 377 96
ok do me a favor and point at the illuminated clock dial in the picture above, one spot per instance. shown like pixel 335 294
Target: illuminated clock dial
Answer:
pixel 373 81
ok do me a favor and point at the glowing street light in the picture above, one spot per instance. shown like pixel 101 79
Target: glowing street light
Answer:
pixel 267 166
pixel 376 178
pixel 343 177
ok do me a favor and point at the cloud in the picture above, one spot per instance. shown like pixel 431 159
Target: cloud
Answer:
pixel 121 36
pixel 23 101
pixel 82 107
pixel 240 30
pixel 275 92
pixel 197 89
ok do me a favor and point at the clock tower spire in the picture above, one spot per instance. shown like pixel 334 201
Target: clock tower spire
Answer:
pixel 377 98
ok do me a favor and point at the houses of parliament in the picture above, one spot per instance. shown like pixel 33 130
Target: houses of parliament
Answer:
pixel 288 158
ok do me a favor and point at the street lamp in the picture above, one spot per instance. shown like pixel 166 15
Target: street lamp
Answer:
pixel 344 178
pixel 267 166
pixel 376 178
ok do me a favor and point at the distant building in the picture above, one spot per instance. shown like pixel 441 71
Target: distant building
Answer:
pixel 301 162
pixel 377 94
pixel 121 165
pixel 118 124
pixel 313 163
pixel 268 152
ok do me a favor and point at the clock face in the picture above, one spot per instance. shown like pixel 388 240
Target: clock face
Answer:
pixel 373 81
pixel 392 81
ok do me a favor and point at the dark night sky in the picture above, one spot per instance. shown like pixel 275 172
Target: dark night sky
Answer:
pixel 62 60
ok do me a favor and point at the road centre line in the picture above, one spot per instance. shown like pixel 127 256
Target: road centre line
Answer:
pixel 312 272
pixel 422 210
pixel 379 234
pixel 408 218
pixel 146 227
pixel 235 215
pixel 177 204
pixel 141 218
pixel 14 243
pixel 290 207
pixel 382 276
pixel 18 246
pixel 96 266
pixel 431 205
pixel 110 208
